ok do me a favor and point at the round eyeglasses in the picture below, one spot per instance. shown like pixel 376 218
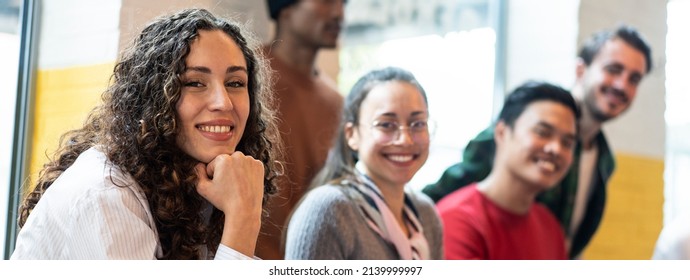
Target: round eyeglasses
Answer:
pixel 388 131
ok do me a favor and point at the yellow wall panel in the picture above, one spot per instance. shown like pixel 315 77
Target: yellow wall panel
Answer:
pixel 634 211
pixel 63 99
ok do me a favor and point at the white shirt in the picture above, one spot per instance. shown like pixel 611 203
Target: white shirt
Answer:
pixel 94 211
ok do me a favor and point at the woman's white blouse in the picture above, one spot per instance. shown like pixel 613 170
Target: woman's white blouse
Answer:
pixel 94 211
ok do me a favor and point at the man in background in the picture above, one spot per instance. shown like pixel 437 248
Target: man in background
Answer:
pixel 309 104
pixel 497 218
pixel 611 65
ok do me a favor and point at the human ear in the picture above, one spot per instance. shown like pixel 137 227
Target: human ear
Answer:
pixel 286 12
pixel 352 136
pixel 580 68
pixel 500 131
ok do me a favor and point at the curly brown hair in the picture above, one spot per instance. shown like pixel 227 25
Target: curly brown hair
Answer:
pixel 136 127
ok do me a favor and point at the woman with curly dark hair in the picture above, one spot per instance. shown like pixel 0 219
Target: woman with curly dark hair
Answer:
pixel 175 164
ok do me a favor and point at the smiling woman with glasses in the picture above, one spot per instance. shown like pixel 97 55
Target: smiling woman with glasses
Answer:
pixel 359 207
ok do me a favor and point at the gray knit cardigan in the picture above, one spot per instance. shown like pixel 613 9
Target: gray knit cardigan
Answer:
pixel 328 225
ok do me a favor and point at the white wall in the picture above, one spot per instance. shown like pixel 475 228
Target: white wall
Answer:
pixel 77 32
pixel 541 42
pixel 136 14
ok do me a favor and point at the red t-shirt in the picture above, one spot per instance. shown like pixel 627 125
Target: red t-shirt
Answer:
pixel 476 228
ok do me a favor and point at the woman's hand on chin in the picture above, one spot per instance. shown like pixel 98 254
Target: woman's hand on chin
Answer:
pixel 234 184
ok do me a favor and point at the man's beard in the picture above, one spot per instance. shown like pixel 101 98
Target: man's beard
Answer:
pixel 591 104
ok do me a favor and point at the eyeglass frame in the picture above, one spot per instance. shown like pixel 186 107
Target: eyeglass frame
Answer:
pixel 393 133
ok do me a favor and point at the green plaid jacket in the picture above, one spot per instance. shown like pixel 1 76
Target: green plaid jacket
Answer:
pixel 478 159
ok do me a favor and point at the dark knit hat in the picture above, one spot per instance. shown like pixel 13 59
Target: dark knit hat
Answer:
pixel 274 6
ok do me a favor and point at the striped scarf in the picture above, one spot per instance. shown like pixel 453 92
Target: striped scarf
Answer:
pixel 382 221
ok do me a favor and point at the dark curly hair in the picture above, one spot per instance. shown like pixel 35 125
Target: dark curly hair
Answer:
pixel 136 127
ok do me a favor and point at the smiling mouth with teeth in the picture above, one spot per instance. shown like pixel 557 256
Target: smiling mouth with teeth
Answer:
pixel 615 96
pixel 397 158
pixel 546 164
pixel 215 128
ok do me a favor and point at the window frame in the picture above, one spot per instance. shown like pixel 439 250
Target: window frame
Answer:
pixel 28 24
